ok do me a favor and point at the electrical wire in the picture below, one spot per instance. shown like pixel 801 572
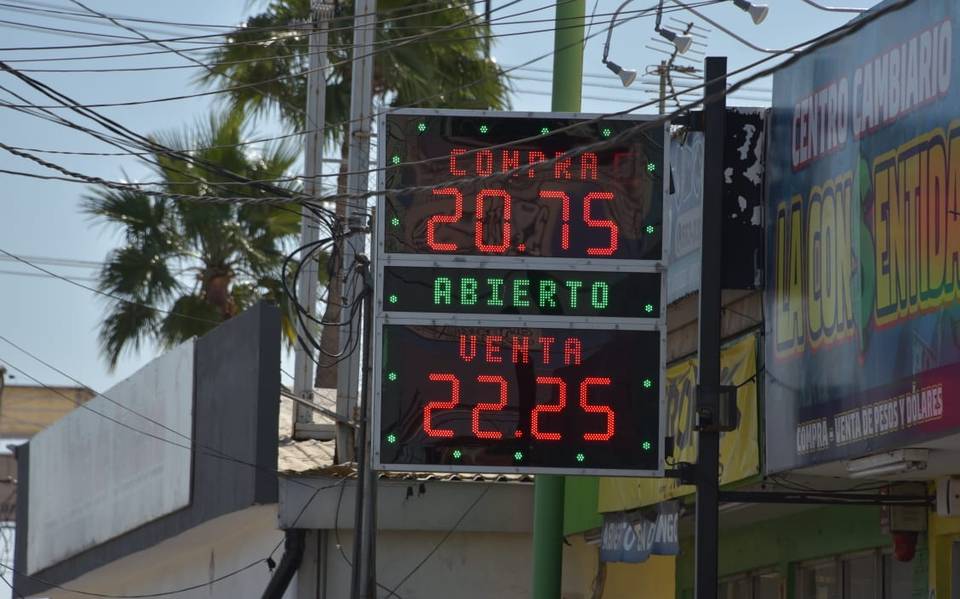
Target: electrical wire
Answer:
pixel 242 29
pixel 501 21
pixel 447 535
pixel 821 41
pixel 394 43
pixel 184 55
pixel 201 448
pixel 77 108
pixel 41 275
pixel 835 8
pixel 204 46
pixel 350 17
pixel 179 591
pixel 830 37
pixel 465 24
pixel 34 83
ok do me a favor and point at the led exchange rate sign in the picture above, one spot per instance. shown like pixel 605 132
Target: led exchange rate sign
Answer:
pixel 495 396
pixel 519 312
pixel 467 186
pixel 553 292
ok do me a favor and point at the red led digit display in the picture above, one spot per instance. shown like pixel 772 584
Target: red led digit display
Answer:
pixel 561 394
pixel 454 390
pixel 465 185
pixel 535 398
pixel 481 407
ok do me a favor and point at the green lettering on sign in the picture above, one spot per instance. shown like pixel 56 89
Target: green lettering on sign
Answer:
pixel 442 291
pixel 521 297
pixel 548 289
pixel 574 287
pixel 468 291
pixel 599 295
pixel 495 287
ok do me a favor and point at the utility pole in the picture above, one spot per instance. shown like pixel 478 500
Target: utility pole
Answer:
pixel 664 71
pixel 548 490
pixel 363 582
pixel 707 470
pixel 320 13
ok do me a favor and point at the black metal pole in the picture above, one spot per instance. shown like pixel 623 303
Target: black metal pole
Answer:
pixel 708 401
pixel 368 544
pixel 356 572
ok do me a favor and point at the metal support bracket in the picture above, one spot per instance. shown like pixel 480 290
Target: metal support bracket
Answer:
pixel 725 418
pixel 685 472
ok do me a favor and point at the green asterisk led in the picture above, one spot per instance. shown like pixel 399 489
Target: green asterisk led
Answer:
pixel 518 455
pixel 395 159
pixel 392 375
pixel 395 221
pixel 544 130
pixel 647 445
pixel 457 454
pixel 651 167
pixel 393 298
pixel 391 438
pixel 647 383
pixel 484 128
pixel 650 229
pixel 607 132
pixel 648 308
pixel 421 127
pixel 581 457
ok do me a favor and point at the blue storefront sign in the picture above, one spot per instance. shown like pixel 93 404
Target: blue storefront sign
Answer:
pixel 863 242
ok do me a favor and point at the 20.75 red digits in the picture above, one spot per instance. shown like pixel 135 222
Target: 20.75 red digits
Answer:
pixel 500 387
pixel 482 202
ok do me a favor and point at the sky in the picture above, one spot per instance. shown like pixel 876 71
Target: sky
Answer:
pixel 58 321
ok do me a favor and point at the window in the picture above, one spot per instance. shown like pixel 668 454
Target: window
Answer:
pixel 768 585
pixel 753 585
pixel 897 578
pixel 819 580
pixel 865 575
pixel 861 576
pixel 738 588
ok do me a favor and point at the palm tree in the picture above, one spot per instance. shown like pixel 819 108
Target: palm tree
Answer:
pixel 430 53
pixel 199 263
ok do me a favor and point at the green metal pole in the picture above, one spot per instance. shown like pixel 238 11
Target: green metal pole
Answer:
pixel 568 55
pixel 548 490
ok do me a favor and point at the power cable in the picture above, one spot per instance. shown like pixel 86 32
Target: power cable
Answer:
pixel 61 10
pixel 179 591
pixel 465 24
pixel 41 275
pixel 501 21
pixel 242 29
pixel 166 46
pixel 141 140
pixel 393 591
pixel 809 45
pixel 203 449
pixel 35 84
pixel 394 43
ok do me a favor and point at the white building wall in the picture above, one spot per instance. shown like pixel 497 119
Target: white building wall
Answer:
pixel 122 469
pixel 197 557
pixel 468 565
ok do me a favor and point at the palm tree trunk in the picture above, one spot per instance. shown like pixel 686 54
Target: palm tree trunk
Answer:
pixel 326 376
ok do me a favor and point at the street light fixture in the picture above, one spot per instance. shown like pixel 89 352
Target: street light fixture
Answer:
pixel 758 12
pixel 680 42
pixel 627 76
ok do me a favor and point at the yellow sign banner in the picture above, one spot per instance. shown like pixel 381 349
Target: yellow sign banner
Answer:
pixel 739 449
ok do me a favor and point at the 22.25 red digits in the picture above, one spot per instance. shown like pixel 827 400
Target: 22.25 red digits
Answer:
pixel 485 198
pixel 500 385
